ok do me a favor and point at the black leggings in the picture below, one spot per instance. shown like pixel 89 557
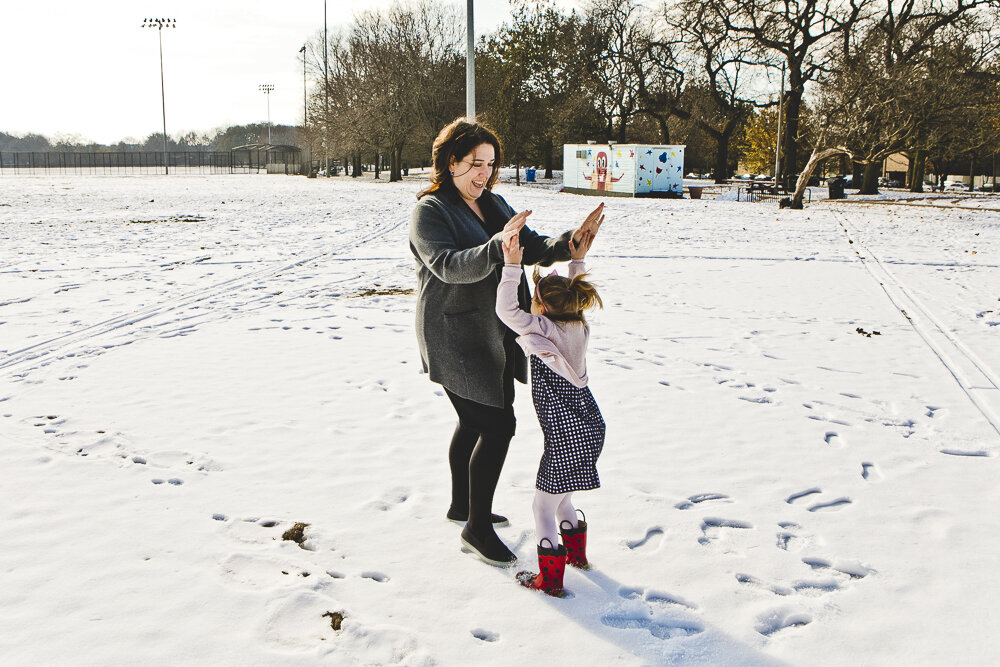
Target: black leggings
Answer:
pixel 476 456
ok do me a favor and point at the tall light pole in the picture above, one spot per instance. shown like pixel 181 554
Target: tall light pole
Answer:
pixel 326 97
pixel 305 112
pixel 470 64
pixel 266 88
pixel 160 24
pixel 305 107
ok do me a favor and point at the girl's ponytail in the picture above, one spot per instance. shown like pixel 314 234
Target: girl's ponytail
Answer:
pixel 565 299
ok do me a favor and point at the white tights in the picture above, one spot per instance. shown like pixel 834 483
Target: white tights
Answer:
pixel 551 509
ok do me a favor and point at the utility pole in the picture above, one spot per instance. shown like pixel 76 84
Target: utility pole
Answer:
pixel 470 64
pixel 160 24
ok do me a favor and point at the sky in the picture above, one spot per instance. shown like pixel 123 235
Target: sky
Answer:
pixel 89 70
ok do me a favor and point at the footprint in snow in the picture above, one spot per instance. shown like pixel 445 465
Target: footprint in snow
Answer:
pixel 802 494
pixel 852 569
pixel 389 500
pixel 661 628
pixel 776 620
pixel 982 453
pixel 655 531
pixel 712 529
pixel 654 597
pixel 831 506
pixel 833 439
pixel 870 472
pixel 790 537
pixel 173 481
pixel 485 635
pixel 754 582
pixel 700 498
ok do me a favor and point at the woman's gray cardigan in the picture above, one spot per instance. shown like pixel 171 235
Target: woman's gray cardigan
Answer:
pixel 458 270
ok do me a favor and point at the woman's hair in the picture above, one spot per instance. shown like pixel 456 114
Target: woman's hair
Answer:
pixel 565 299
pixel 456 140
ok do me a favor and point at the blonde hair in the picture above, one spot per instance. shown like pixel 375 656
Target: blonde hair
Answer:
pixel 565 299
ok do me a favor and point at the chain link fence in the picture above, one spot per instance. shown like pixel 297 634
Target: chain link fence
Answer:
pixel 128 163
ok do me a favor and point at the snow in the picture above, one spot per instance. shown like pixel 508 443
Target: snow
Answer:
pixel 191 365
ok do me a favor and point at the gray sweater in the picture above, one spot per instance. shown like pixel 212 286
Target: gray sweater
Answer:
pixel 461 339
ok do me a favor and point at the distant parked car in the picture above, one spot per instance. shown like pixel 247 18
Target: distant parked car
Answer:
pixel 955 186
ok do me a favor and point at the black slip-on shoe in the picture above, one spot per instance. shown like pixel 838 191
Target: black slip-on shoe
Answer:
pixel 489 549
pixel 460 518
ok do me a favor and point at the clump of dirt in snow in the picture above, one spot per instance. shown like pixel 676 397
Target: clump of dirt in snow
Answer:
pixel 297 534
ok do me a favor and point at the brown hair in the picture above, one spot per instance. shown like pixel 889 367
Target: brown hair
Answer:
pixel 456 140
pixel 565 299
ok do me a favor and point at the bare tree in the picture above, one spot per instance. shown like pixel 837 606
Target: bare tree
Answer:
pixel 802 35
pixel 728 64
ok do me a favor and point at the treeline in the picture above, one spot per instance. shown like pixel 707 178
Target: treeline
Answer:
pixel 222 139
pixel 863 79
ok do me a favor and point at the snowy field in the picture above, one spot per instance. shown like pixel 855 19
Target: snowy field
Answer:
pixel 189 366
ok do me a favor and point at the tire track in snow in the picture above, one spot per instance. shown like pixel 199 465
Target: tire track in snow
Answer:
pixel 979 382
pixel 16 360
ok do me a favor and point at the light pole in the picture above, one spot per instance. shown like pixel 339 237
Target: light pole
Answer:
pixel 266 88
pixel 160 24
pixel 305 108
pixel 470 64
pixel 326 97
pixel 305 112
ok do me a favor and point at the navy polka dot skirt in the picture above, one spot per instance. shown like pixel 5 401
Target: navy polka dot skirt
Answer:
pixel 573 429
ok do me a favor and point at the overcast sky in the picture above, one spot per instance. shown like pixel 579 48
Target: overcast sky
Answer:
pixel 88 69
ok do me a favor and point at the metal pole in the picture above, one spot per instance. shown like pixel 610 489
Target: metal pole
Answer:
pixel 777 140
pixel 160 24
pixel 470 64
pixel 305 107
pixel 266 88
pixel 326 94
pixel 163 103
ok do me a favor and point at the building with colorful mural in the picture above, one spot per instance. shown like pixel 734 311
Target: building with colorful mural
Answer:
pixel 623 170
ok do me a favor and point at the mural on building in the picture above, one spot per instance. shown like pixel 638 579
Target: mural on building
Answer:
pixel 601 177
pixel 624 169
pixel 660 170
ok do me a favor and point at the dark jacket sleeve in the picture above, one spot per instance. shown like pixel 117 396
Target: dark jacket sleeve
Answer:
pixel 433 240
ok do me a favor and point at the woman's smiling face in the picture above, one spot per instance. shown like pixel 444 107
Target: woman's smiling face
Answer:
pixel 472 172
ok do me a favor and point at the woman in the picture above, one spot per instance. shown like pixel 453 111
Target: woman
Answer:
pixel 455 234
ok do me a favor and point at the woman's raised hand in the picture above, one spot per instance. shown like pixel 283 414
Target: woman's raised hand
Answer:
pixel 589 227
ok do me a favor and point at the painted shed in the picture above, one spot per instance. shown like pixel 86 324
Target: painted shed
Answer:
pixel 623 170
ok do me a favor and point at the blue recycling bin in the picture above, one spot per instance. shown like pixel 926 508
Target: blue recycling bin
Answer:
pixel 529 174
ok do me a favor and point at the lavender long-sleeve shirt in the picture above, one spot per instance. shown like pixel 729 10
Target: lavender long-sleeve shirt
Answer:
pixel 561 345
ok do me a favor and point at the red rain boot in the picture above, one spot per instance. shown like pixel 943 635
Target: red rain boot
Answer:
pixel 575 541
pixel 551 566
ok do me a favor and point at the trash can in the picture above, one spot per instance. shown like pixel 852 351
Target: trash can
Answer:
pixel 529 174
pixel 695 191
pixel 836 186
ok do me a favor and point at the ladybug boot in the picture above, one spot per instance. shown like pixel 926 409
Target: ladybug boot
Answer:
pixel 575 541
pixel 551 566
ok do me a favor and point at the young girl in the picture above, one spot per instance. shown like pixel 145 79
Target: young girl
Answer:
pixel 555 337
